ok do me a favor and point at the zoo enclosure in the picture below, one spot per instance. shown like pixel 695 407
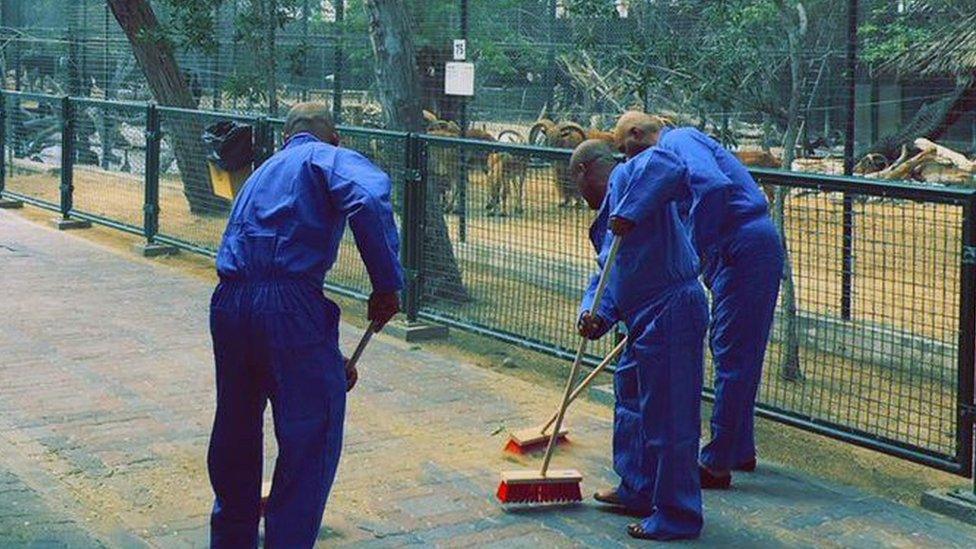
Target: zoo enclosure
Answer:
pixel 883 334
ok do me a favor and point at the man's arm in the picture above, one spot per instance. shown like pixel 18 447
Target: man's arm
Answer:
pixel 594 324
pixel 657 176
pixel 361 191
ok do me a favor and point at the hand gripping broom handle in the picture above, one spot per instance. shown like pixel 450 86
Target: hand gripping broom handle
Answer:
pixel 574 371
pixel 372 329
pixel 587 380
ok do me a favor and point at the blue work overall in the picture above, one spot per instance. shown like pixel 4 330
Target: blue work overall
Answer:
pixel 653 288
pixel 275 334
pixel 742 256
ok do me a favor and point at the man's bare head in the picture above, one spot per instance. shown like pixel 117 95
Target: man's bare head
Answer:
pixel 313 118
pixel 637 131
pixel 590 167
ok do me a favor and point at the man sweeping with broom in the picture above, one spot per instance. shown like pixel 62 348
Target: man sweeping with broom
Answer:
pixel 276 336
pixel 743 258
pixel 653 288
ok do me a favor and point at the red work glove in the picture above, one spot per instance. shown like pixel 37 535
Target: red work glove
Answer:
pixel 382 307
pixel 591 327
pixel 352 375
pixel 620 226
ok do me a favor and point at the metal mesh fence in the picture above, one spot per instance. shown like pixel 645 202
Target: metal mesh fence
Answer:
pixel 189 211
pixel 503 247
pixel 110 160
pixel 874 352
pixel 890 368
pixel 33 147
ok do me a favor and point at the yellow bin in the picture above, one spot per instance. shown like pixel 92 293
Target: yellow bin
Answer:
pixel 227 184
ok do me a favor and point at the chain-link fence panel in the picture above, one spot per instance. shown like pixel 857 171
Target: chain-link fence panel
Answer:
pixel 866 339
pixel 33 147
pixel 506 245
pixel 189 209
pixel 110 160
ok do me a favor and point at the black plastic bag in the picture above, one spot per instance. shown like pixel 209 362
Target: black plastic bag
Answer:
pixel 231 144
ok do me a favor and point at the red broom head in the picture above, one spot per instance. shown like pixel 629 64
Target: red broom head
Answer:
pixel 514 447
pixel 540 492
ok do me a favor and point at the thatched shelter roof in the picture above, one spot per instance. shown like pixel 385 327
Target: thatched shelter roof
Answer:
pixel 953 52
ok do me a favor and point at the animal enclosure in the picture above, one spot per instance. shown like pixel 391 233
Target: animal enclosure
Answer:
pixel 887 371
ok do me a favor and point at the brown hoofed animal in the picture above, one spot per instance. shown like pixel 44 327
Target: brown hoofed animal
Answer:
pixel 445 162
pixel 506 173
pixel 761 159
pixel 564 135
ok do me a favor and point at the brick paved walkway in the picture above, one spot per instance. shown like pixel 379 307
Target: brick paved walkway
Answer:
pixel 106 400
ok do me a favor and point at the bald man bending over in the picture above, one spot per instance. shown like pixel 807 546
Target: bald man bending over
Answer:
pixel 654 290
pixel 276 336
pixel 742 258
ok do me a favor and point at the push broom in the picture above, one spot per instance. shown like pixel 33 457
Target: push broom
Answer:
pixel 532 438
pixel 363 341
pixel 560 485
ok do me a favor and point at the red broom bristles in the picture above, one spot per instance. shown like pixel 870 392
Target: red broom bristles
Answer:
pixel 539 492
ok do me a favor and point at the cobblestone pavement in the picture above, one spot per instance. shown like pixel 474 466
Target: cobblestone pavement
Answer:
pixel 106 398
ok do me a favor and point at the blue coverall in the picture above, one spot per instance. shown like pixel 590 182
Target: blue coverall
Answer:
pixel 742 256
pixel 275 334
pixel 653 288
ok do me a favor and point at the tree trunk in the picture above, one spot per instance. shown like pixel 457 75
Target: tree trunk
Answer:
pixel 790 365
pixel 169 87
pixel 399 91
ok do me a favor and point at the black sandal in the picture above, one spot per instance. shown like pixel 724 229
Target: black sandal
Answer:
pixel 636 531
pixel 747 467
pixel 713 482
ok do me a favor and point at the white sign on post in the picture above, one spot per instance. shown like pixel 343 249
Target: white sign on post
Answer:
pixel 460 50
pixel 459 79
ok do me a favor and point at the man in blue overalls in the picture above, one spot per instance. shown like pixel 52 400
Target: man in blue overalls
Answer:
pixel 742 256
pixel 275 334
pixel 653 288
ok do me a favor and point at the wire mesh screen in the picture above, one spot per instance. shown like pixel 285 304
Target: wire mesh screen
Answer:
pixel 189 211
pixel 887 364
pixel 504 249
pixel 110 160
pixel 33 148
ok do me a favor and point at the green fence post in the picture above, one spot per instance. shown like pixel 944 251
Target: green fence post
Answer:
pixel 150 207
pixel 67 169
pixel 412 250
pixel 413 183
pixel 263 141
pixel 5 202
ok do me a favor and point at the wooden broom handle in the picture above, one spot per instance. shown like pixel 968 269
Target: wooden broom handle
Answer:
pixel 589 379
pixel 574 371
pixel 372 329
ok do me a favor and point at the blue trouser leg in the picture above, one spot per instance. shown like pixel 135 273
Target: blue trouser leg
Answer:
pixel 627 446
pixel 234 458
pixel 277 341
pixel 667 352
pixel 308 402
pixel 745 285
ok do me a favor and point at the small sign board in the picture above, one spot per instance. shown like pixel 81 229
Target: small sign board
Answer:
pixel 459 79
pixel 460 50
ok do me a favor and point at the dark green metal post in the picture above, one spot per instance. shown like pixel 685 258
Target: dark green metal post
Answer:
pixel 551 58
pixel 3 143
pixel 414 223
pixel 151 207
pixel 67 156
pixel 967 343
pixel 340 15
pixel 847 267
pixel 263 141
pixel 462 199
